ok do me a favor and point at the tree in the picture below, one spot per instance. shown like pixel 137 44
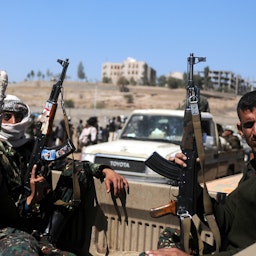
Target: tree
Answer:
pixel 122 82
pixel 39 74
pixel 32 74
pixel 49 74
pixel 161 81
pixel 207 80
pixel 198 80
pixel 80 71
pixel 106 80
pixel 132 81
pixel 174 83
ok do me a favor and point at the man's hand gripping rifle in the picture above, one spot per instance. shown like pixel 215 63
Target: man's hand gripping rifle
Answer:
pixel 185 178
pixel 40 150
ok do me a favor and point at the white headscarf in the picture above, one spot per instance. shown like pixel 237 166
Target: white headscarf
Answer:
pixel 14 134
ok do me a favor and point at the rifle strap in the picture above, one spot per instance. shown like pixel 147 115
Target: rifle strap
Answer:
pixel 185 224
pixel 195 233
pixel 189 225
pixel 201 154
pixel 76 187
pixel 209 216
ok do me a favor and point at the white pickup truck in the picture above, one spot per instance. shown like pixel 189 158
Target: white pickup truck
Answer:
pixel 160 130
pixel 124 226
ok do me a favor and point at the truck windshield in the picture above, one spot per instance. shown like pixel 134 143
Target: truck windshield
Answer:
pixel 154 128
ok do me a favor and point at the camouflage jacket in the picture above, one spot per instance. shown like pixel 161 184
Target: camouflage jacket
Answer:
pixel 13 164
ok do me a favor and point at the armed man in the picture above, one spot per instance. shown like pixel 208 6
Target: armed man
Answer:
pixel 28 222
pixel 235 216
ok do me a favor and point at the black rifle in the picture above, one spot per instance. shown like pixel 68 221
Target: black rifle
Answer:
pixel 40 150
pixel 185 178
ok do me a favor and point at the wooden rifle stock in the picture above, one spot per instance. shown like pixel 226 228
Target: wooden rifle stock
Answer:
pixel 160 211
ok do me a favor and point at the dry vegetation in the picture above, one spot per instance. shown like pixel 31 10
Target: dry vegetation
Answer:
pixel 106 100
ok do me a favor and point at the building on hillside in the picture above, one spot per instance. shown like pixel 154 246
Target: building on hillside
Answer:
pixel 228 81
pixel 225 81
pixel 136 72
pixel 177 75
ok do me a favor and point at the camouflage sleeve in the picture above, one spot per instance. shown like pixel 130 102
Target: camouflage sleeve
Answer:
pixel 95 169
pixel 86 169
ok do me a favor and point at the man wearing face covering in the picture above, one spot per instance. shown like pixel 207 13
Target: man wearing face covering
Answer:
pixel 18 214
pixel 17 220
pixel 15 118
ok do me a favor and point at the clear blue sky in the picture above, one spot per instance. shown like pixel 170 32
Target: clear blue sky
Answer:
pixel 34 34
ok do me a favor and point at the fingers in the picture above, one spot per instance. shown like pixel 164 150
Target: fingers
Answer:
pixel 180 156
pixel 126 184
pixel 33 173
pixel 122 184
pixel 34 178
pixel 179 159
pixel 118 186
pixel 39 187
pixel 116 180
pixel 118 183
pixel 107 184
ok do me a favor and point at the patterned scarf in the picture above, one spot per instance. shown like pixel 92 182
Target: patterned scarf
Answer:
pixel 14 134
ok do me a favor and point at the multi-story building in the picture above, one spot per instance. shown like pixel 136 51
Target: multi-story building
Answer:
pixel 228 81
pixel 138 72
pixel 134 71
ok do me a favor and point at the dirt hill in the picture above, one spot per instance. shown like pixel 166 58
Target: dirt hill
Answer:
pixel 106 101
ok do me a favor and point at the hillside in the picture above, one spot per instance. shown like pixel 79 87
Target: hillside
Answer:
pixel 105 100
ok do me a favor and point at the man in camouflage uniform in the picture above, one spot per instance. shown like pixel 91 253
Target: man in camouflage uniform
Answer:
pixel 230 137
pixel 204 105
pixel 25 215
pixel 235 216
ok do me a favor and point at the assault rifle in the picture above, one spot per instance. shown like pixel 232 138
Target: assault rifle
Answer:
pixel 40 150
pixel 185 178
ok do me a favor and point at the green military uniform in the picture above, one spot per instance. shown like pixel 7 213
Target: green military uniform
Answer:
pixel 204 104
pixel 15 214
pixel 233 140
pixel 235 217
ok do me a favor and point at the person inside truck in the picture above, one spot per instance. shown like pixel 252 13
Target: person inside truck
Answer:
pixel 160 127
pixel 224 145
pixel 159 132
pixel 235 216
pixel 28 211
pixel 230 137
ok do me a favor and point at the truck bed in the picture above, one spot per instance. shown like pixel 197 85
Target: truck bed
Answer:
pixel 126 228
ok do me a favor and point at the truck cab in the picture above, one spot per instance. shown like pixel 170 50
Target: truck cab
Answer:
pixel 161 130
